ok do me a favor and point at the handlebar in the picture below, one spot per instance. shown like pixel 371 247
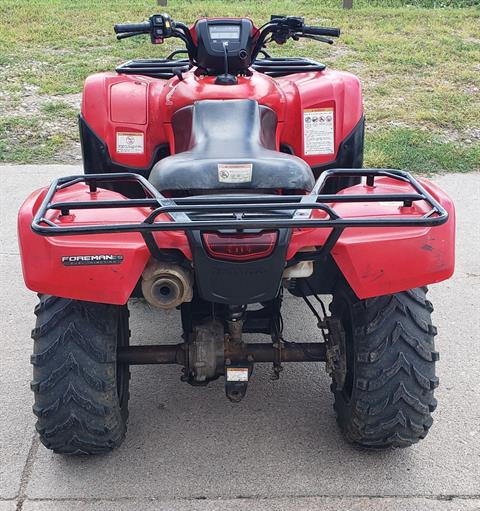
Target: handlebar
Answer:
pixel 280 29
pixel 321 31
pixel 160 27
pixel 124 28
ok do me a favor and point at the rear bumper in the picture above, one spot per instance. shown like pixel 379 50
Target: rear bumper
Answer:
pixel 386 235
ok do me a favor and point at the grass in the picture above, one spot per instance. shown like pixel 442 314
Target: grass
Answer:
pixel 419 62
pixel 416 149
pixel 21 141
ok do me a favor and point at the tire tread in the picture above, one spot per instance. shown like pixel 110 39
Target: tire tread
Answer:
pixel 392 398
pixel 74 376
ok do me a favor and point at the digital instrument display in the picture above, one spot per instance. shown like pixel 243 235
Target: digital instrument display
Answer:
pixel 229 32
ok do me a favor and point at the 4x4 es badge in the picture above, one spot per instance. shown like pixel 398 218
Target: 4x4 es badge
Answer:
pixel 87 260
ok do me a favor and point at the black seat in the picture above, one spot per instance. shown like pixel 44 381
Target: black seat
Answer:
pixel 213 135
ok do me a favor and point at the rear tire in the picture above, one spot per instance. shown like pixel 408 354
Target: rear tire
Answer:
pixel 387 398
pixel 81 393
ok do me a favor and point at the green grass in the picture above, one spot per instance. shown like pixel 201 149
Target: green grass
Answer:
pixel 419 62
pixel 419 150
pixel 22 141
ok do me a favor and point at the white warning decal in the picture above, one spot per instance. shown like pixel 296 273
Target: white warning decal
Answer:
pixel 237 373
pixel 318 131
pixel 235 172
pixel 130 143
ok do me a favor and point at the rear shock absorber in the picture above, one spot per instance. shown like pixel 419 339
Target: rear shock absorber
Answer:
pixel 235 318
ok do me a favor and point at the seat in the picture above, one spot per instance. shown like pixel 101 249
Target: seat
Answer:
pixel 228 145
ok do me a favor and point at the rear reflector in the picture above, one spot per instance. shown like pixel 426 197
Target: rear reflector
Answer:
pixel 240 247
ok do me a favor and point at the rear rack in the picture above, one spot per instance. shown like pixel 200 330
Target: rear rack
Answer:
pixel 236 207
pixel 218 212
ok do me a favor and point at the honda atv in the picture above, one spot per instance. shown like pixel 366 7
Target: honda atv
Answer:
pixel 214 183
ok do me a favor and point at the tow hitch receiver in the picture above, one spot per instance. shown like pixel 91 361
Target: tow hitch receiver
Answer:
pixel 236 382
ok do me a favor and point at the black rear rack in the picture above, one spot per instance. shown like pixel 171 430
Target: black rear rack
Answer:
pixel 238 212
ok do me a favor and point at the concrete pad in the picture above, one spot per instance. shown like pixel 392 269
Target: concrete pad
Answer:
pixel 281 442
pixel 18 181
pixel 292 504
pixel 15 301
pixel 8 505
pixel 16 320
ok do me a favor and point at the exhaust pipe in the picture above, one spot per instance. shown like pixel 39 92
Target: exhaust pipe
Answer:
pixel 166 285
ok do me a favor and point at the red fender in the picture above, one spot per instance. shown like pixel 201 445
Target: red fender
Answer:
pixel 114 104
pixel 43 266
pixel 385 260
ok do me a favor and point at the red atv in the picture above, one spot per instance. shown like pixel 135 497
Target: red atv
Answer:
pixel 213 184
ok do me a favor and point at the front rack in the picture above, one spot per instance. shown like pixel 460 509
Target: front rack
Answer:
pixel 156 68
pixel 170 66
pixel 238 212
pixel 284 66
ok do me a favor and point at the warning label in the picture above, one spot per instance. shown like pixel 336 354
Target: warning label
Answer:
pixel 318 131
pixel 237 373
pixel 235 172
pixel 130 143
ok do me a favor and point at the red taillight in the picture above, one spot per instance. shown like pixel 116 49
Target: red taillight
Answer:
pixel 239 247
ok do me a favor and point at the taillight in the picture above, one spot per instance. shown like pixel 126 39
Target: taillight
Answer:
pixel 240 247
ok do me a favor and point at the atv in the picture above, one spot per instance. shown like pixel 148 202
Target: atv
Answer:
pixel 217 180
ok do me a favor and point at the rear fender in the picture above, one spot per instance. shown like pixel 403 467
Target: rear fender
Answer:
pixel 385 260
pixel 99 268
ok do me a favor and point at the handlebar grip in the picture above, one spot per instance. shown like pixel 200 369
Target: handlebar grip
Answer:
pixel 133 27
pixel 322 31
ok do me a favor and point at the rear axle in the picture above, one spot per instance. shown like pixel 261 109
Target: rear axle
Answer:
pixel 255 352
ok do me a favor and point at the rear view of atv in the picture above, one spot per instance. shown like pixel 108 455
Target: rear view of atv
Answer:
pixel 214 183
